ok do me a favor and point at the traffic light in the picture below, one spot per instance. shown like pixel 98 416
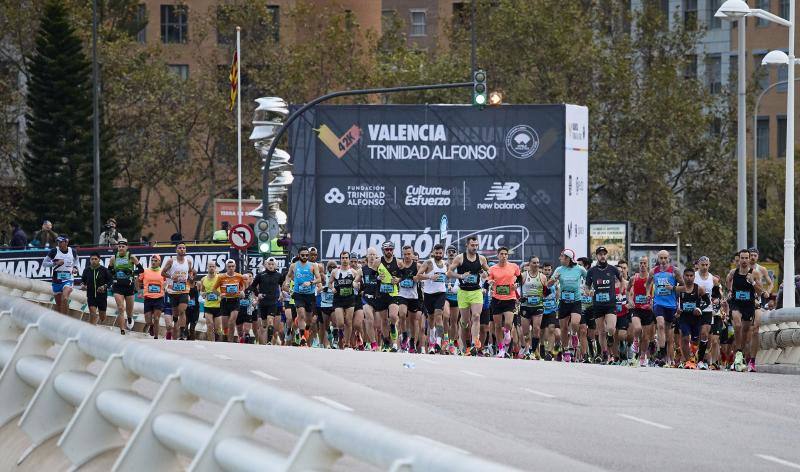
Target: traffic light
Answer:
pixel 479 88
pixel 262 236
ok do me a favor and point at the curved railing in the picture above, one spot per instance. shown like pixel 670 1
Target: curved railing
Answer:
pixel 779 336
pixel 48 389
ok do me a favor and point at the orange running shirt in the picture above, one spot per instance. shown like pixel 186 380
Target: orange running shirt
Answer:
pixel 230 285
pixel 504 278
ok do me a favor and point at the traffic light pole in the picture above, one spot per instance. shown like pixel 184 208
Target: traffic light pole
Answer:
pixel 318 100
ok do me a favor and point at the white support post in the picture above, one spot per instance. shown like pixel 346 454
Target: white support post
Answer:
pixel 14 391
pixel 312 452
pixel 401 465
pixel 233 421
pixel 48 413
pixel 144 451
pixel 89 433
pixel 9 331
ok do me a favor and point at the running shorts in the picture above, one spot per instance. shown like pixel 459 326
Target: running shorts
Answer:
pixel 467 298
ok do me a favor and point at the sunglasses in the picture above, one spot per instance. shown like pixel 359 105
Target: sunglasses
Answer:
pixel 303 255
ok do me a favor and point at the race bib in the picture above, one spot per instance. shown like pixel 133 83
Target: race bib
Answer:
pixel 387 288
pixel 662 291
pixel 212 297
pixel 742 295
pixel 619 307
pixel 345 292
pixel 440 277
pixel 586 299
pixel 327 297
pixel 640 299
pixel 179 286
pixel 232 289
pixel 121 274
pixel 407 283
pixel 63 275
pixel 153 288
pixel 549 304
pixel 368 279
pixel 471 279
pixel 244 302
pixel 534 300
pixel 568 297
pixel 191 302
pixel 602 297
pixel 502 289
pixel 689 306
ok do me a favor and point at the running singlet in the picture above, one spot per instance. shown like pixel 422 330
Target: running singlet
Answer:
pixel 641 300
pixel 385 286
pixel 152 283
pixel 690 300
pixel 451 289
pixel 369 281
pixel 569 281
pixel 123 269
pixel 408 288
pixel 550 303
pixel 504 278
pixel 742 291
pixel 708 287
pixel 343 283
pixel 230 285
pixel 663 296
pixel 533 289
pixel 438 283
pixel 211 294
pixel 62 273
pixel 470 282
pixel 602 280
pixel 178 277
pixel 325 296
pixel 304 273
pixel 622 302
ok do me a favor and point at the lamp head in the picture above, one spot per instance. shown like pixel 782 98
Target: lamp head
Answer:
pixel 775 57
pixel 732 10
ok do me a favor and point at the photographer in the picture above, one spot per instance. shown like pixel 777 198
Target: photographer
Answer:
pixel 110 236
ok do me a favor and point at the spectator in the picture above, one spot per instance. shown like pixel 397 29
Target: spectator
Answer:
pixel 110 236
pixel 45 237
pixel 796 293
pixel 176 237
pixel 221 235
pixel 18 236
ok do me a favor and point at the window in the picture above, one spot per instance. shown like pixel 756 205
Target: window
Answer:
pixel 174 23
pixel 761 72
pixel 418 23
pixel 690 14
pixel 783 76
pixel 181 70
pixel 260 29
pixel 733 69
pixel 764 5
pixel 781 136
pixel 784 9
pixel 714 73
pixel 663 7
pixel 141 22
pixel 691 67
pixel 713 22
pixel 762 135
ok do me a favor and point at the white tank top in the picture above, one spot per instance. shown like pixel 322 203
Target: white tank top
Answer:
pixel 178 276
pixel 708 286
pixel 436 285
pixel 64 271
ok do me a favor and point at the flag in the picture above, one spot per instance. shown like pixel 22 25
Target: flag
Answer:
pixel 234 78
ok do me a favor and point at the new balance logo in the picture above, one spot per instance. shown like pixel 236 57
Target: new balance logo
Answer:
pixel 502 191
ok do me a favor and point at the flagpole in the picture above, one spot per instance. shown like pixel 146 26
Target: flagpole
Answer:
pixel 239 123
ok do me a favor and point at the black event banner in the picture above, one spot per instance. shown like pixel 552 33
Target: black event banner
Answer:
pixel 370 173
pixel 28 263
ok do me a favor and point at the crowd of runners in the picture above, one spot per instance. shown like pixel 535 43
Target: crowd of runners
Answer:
pixel 570 310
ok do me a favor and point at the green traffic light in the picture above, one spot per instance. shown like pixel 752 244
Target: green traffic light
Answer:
pixel 264 247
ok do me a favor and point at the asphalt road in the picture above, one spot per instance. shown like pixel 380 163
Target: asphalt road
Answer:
pixel 537 415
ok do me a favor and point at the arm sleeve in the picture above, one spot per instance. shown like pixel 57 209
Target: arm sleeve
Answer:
pixel 48 259
pixel 716 292
pixel 589 277
pixel 85 276
pixel 254 284
pixel 705 301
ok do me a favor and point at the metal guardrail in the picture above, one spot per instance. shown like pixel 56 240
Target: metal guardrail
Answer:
pixel 779 338
pixel 57 396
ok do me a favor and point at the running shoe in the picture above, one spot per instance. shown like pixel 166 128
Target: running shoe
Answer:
pixel 702 366
pixel 393 348
pixel 122 332
pixel 566 356
pixel 643 362
pixel 473 351
pixel 738 362
pixel 169 334
pixel 393 332
pixel 404 346
pixel 297 339
pixel 373 346
pixel 635 346
pixel 574 341
pixel 501 353
pixel 751 365
pixel 506 337
pixel 451 348
pixel 714 366
pixel 304 341
pixel 129 323
pixel 587 359
pixel 689 365
pixel 151 331
pixel 548 356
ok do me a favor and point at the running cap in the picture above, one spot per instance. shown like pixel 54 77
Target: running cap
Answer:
pixel 703 259
pixel 452 248
pixel 122 241
pixel 312 249
pixel 62 238
pixel 229 261
pixel 601 249
pixel 387 245
pixel 569 253
pixel 271 259
pixel 753 250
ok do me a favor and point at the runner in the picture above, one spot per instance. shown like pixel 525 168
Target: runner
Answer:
pixel 620 346
pixel 327 332
pixel 342 284
pixel 387 304
pixel 248 314
pixel 601 281
pixel 467 268
pixel 569 277
pixel 503 279
pixel 762 301
pixel 692 300
pixel 316 335
pixel 305 275
pixel 95 280
pixel 192 307
pixel 151 284
pixel 177 270
pixel 531 309
pixel 369 276
pixel 664 279
pixel 710 284
pixel 363 333
pixel 587 333
pixel 214 322
pixel 231 286
pixel 122 266
pixel 266 287
pixel 451 312
pixel 550 341
pixel 434 273
pixel 743 285
pixel 642 319
pixel 408 299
